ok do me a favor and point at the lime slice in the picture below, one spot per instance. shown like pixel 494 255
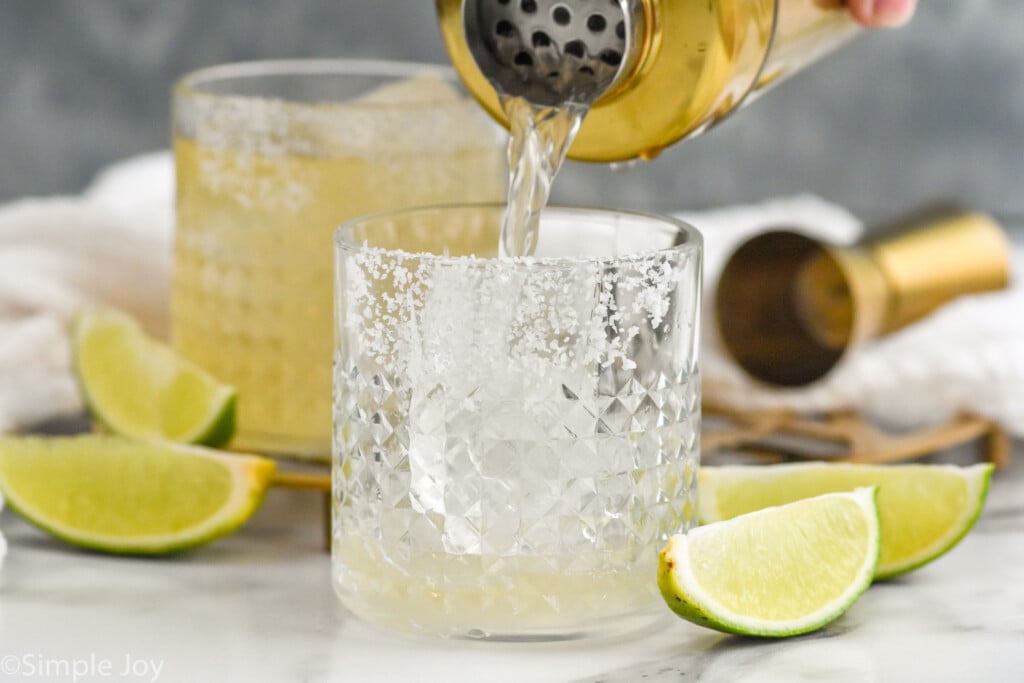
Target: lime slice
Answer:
pixel 139 387
pixel 124 496
pixel 925 509
pixel 778 572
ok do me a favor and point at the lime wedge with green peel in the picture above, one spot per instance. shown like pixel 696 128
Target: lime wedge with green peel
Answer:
pixel 777 572
pixel 125 496
pixel 925 509
pixel 136 386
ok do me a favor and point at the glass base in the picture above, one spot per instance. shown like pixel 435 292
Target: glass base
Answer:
pixel 438 626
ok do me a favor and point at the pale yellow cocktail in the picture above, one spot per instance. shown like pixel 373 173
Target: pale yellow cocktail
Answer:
pixel 271 158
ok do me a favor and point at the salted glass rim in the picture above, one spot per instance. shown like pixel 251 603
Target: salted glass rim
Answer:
pixel 191 84
pixel 693 242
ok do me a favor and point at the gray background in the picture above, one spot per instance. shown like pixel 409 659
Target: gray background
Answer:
pixel 936 109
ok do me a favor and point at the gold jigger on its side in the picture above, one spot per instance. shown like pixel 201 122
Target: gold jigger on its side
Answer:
pixel 789 307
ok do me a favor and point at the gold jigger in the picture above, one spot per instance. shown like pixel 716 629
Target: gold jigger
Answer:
pixel 789 307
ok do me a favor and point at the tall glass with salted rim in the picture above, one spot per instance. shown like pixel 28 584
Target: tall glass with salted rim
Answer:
pixel 271 157
pixel 514 439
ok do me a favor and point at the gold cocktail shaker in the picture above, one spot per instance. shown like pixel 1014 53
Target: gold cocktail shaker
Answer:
pixel 690 64
pixel 790 307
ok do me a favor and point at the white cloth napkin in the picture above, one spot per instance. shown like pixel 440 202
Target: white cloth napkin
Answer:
pixel 113 245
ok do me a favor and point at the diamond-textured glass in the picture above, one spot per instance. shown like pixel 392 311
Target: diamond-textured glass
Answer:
pixel 271 158
pixel 514 439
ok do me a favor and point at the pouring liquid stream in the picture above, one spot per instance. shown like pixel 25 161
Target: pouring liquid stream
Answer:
pixel 541 137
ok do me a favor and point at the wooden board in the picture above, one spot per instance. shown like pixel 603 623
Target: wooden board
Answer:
pixel 842 437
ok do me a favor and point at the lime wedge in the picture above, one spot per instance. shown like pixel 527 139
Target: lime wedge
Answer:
pixel 119 495
pixel 925 509
pixel 778 572
pixel 136 386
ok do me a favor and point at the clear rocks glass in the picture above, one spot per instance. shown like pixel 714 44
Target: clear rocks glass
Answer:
pixel 514 439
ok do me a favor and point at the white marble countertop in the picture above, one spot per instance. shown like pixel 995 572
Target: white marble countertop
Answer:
pixel 258 607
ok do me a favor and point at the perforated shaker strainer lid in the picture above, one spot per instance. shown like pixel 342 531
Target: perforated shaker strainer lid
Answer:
pixel 552 52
